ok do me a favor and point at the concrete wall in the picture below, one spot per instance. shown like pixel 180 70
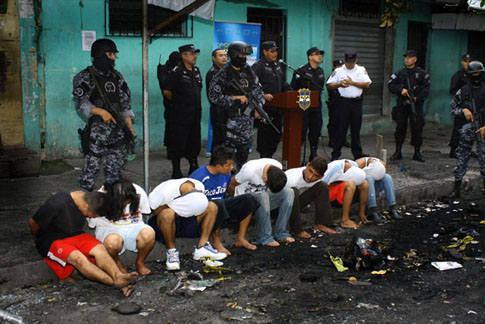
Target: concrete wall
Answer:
pixel 51 58
pixel 11 123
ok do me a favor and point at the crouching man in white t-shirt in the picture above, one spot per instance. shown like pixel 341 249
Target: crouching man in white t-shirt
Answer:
pixel 181 209
pixel 308 186
pixel 266 179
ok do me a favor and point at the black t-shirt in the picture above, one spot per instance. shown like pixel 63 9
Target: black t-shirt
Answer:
pixel 58 218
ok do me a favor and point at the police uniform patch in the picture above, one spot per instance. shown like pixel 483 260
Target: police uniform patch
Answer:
pixel 79 92
pixel 81 89
pixel 109 87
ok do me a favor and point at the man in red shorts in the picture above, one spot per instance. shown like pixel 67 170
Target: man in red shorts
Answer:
pixel 58 235
pixel 344 178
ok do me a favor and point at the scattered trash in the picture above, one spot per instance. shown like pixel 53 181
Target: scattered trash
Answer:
pixel 199 285
pixel 456 250
pixel 144 314
pixel 11 317
pixel 366 253
pixel 380 272
pixel 127 308
pixel 482 222
pixel 50 300
pixel 436 235
pixel 82 303
pixel 446 265
pixel 404 168
pixel 390 258
pixel 313 246
pixel 367 306
pixel 467 231
pixel 338 263
pixel 212 263
pixel 472 312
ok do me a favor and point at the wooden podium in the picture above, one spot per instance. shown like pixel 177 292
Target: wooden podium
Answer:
pixel 293 119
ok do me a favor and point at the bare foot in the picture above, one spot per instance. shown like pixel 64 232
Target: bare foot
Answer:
pixel 303 235
pixel 221 248
pixel 142 269
pixel 243 243
pixel 288 240
pixel 125 279
pixel 272 244
pixel 323 228
pixel 364 220
pixel 349 224
pixel 128 290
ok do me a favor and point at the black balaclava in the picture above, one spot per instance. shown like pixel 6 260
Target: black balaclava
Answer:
pixel 475 80
pixel 104 64
pixel 238 61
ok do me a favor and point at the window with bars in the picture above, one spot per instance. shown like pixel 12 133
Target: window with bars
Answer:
pixel 124 18
pixel 361 8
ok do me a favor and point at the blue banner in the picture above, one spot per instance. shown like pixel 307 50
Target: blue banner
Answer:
pixel 227 32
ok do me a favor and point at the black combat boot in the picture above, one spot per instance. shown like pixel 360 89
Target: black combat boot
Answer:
pixel 176 172
pixel 417 154
pixel 456 190
pixel 194 165
pixel 397 155
pixel 313 152
pixel 393 212
pixel 372 215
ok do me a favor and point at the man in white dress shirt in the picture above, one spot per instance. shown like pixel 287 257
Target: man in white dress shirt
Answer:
pixel 349 80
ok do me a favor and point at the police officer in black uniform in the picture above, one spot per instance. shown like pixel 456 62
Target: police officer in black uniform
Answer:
pixel 311 76
pixel 239 112
pixel 461 105
pixel 458 80
pixel 217 114
pixel 105 139
pixel 184 87
pixel 272 77
pixel 162 74
pixel 398 84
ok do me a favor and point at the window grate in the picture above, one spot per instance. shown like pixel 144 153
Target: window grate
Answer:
pixel 124 18
pixel 361 8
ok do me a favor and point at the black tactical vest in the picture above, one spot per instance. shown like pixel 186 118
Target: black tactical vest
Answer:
pixel 245 77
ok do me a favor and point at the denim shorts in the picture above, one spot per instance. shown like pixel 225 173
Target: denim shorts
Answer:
pixel 127 232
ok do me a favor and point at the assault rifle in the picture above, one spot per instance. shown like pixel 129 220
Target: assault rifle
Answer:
pixel 411 99
pixel 477 119
pixel 120 121
pixel 264 118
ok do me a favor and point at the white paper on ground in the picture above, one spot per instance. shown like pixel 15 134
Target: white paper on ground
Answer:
pixel 446 265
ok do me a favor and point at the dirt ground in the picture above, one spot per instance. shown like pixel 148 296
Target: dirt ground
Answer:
pixel 298 283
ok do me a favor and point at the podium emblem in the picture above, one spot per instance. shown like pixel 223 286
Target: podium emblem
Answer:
pixel 304 99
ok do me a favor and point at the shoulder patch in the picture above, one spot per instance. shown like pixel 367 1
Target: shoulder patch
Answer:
pixel 426 76
pixel 81 89
pixel 333 73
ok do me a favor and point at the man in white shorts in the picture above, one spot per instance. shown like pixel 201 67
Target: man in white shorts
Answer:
pixel 130 232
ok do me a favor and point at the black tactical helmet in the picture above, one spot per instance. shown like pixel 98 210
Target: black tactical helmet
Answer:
pixel 475 66
pixel 238 47
pixel 101 46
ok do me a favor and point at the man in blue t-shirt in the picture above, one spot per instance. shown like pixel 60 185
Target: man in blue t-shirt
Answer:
pixel 216 177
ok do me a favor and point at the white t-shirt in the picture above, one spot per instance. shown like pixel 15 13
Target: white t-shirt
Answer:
pixel 250 176
pixel 357 74
pixel 168 190
pixel 335 172
pixel 295 178
pixel 128 219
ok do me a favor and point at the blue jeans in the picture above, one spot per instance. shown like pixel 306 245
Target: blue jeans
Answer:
pixel 269 201
pixel 376 187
